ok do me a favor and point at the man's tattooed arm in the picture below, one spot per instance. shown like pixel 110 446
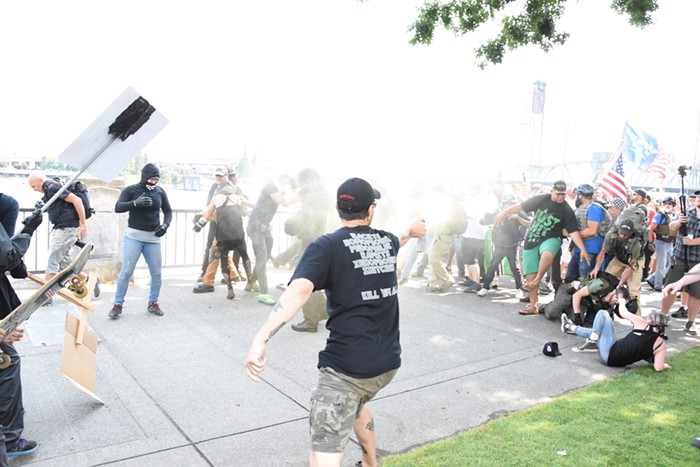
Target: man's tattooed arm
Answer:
pixel 274 331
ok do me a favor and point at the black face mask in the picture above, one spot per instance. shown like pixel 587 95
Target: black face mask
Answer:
pixel 578 201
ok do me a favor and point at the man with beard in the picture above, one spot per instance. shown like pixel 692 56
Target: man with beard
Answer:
pixel 663 238
pixel 591 220
pixel 553 219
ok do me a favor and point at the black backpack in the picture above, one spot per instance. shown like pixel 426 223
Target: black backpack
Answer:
pixel 80 190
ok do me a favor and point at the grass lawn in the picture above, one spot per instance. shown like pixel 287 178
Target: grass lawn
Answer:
pixel 640 417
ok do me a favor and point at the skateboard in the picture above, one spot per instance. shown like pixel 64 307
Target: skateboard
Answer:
pixel 76 284
pixel 41 296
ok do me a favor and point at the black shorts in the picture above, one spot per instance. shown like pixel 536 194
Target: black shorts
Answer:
pixel 472 250
pixel 677 272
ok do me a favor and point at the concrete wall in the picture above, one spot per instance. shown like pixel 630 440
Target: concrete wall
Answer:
pixel 105 229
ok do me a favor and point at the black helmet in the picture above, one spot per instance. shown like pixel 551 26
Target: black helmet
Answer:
pixel 669 200
pixel 585 190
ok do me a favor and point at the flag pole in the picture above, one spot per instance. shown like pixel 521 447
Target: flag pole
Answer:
pixel 610 162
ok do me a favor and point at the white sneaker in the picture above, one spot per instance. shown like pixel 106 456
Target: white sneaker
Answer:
pixel 482 292
pixel 566 324
pixel 519 294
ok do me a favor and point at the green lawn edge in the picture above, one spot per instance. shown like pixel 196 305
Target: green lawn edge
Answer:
pixel 639 417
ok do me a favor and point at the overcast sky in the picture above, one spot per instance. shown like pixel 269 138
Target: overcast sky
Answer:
pixel 334 83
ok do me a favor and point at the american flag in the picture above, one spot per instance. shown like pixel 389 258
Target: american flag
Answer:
pixel 612 182
pixel 660 163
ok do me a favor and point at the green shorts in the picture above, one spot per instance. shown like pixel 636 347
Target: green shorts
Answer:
pixel 335 404
pixel 531 257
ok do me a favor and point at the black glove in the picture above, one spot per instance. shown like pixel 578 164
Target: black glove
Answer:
pixel 39 204
pixel 32 222
pixel 20 272
pixel 199 225
pixel 162 228
pixel 143 202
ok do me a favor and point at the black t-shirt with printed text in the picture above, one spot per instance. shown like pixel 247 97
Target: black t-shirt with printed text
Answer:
pixel 549 219
pixel 357 268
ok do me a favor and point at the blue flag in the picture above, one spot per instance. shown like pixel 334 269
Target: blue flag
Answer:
pixel 639 147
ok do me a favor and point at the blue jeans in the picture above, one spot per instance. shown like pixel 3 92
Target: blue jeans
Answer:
pixel 578 267
pixel 664 253
pixel 412 256
pixel 133 249
pixel 604 327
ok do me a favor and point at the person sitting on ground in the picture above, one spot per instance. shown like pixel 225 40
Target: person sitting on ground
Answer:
pixel 644 342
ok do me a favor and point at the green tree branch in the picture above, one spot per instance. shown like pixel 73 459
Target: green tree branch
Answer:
pixel 521 23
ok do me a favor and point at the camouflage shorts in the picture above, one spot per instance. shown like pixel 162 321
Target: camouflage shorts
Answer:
pixel 335 404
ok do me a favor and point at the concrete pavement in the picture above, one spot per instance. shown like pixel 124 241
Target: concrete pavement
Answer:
pixel 176 392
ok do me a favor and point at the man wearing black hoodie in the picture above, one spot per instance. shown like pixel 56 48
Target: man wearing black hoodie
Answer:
pixel 143 201
pixel 12 249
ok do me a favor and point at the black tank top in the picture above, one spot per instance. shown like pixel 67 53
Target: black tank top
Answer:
pixel 635 346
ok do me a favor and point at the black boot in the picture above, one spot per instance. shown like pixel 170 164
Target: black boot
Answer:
pixel 305 326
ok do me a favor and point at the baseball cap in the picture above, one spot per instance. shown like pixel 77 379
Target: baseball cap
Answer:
pixel 627 227
pixel 641 193
pixel 618 203
pixel 559 187
pixel 694 194
pixel 221 171
pixel 356 195
pixel 551 349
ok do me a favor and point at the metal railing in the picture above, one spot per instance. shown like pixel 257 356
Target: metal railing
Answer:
pixel 181 246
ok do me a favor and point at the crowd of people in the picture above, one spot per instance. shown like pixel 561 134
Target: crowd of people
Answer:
pixel 593 255
pixel 570 242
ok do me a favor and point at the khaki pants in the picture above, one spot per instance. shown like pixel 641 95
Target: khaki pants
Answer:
pixel 616 268
pixel 210 273
pixel 438 274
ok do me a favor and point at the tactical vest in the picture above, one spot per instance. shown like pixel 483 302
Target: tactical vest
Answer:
pixel 663 231
pixel 595 301
pixel 582 219
pixel 582 216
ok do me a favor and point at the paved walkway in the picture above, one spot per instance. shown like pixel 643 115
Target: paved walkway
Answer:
pixel 176 392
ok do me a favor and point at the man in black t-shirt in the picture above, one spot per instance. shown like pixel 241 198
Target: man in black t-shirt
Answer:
pixel 356 266
pixel 67 215
pixel 552 220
